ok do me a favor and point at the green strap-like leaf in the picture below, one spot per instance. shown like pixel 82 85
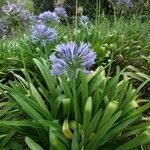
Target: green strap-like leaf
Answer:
pixel 102 131
pixel 143 138
pixel 75 144
pixel 32 144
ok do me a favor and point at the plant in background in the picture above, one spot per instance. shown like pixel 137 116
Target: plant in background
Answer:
pixel 121 7
pixel 16 15
pixel 42 34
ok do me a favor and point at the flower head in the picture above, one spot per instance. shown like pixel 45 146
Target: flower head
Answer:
pixel 43 34
pixel 61 12
pixel 16 13
pixel 84 20
pixel 126 2
pixel 12 8
pixel 48 17
pixel 25 15
pixel 72 58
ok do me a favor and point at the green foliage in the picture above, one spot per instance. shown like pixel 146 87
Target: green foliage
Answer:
pixel 128 41
pixel 12 50
pixel 96 111
pixel 107 106
pixel 142 9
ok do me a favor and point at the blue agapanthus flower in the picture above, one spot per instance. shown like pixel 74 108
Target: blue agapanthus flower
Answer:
pixel 48 17
pixel 71 58
pixel 16 12
pixel 25 15
pixel 126 2
pixel 61 12
pixel 12 8
pixel 84 20
pixel 43 34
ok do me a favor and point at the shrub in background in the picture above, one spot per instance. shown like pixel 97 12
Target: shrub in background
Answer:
pixel 142 9
pixel 43 5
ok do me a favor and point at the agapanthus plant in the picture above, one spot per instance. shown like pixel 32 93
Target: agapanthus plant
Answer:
pixel 42 34
pixel 61 12
pixel 71 58
pixel 48 17
pixel 84 20
pixel 12 8
pixel 16 14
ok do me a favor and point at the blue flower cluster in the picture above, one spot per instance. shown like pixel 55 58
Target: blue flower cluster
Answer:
pixel 43 34
pixel 17 10
pixel 84 20
pixel 61 12
pixel 126 2
pixel 52 17
pixel 12 9
pixel 71 58
pixel 48 17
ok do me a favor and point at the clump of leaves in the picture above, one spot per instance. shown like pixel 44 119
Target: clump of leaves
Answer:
pixel 107 117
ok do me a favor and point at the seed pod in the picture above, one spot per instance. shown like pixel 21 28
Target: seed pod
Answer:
pixel 59 3
pixel 106 45
pixel 80 10
pixel 113 46
pixel 127 48
pixel 72 125
pixel 102 51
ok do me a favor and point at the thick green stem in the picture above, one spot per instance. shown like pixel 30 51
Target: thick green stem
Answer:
pixel 45 50
pixel 76 14
pixel 75 104
pixel 69 28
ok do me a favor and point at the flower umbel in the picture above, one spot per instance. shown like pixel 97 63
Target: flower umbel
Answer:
pixel 16 13
pixel 43 34
pixel 71 58
pixel 84 20
pixel 48 17
pixel 61 12
pixel 25 15
pixel 12 8
pixel 126 2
